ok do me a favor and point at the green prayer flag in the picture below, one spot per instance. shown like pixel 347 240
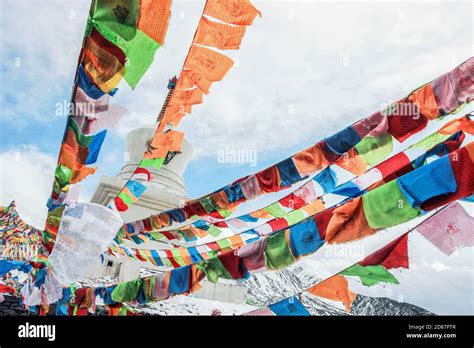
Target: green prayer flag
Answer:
pixel 152 162
pixel 47 237
pixel 126 292
pixel 177 257
pixel 224 243
pixel 119 16
pixel 214 269
pixel 63 175
pixel 275 210
pixel 370 275
pixel 156 235
pixel 208 204
pixel 387 206
pixel 294 217
pixel 430 141
pixel 126 199
pixel 214 231
pixel 224 212
pixel 139 51
pixel 277 251
pixel 374 150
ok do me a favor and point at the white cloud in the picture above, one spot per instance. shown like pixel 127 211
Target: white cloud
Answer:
pixel 26 177
pixel 438 266
pixel 305 69
pixel 40 45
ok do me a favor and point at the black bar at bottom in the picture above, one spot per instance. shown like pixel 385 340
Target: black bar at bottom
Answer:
pixel 194 330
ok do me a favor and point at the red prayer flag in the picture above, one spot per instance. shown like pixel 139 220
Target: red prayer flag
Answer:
pixel 393 255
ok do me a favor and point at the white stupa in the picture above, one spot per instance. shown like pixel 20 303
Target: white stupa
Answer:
pixel 165 191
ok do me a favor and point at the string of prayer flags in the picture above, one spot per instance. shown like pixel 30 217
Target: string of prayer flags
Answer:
pixel 302 238
pixel 339 224
pixel 20 240
pixel 120 41
pixel 303 202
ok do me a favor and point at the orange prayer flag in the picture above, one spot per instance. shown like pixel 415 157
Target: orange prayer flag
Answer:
pixel 260 214
pixel 186 97
pixel 313 207
pixel 81 173
pixel 464 124
pixel 189 79
pixel 68 158
pixel 335 288
pixel 236 240
pixel 70 145
pixel 220 198
pixel 162 143
pixel 310 160
pixel 196 277
pixel 222 36
pixel 210 64
pixel 199 233
pixel 163 219
pixel 348 223
pixel 183 252
pixel 425 101
pixel 352 162
pixel 154 18
pixel 240 12
pixel 470 150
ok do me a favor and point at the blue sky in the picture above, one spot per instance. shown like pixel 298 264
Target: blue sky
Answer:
pixel 305 70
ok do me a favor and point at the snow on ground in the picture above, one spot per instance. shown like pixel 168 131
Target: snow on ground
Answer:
pixel 96 282
pixel 187 305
